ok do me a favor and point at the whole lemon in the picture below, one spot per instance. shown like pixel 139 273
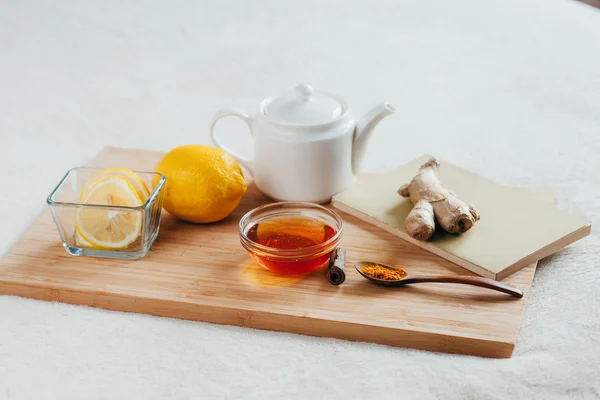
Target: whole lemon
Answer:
pixel 204 184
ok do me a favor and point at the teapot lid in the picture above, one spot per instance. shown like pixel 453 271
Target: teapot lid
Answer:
pixel 304 105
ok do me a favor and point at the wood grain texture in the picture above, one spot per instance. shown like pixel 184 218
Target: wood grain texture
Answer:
pixel 201 272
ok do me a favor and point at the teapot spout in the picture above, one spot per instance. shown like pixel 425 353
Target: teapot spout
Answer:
pixel 363 131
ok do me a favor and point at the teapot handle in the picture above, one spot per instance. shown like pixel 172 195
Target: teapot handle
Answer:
pixel 230 112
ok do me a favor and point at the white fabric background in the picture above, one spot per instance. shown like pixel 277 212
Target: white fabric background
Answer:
pixel 510 89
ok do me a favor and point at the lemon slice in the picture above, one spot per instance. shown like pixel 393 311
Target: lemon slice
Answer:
pixel 135 181
pixel 107 228
pixel 80 241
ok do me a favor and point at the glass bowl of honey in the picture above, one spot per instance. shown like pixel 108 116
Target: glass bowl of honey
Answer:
pixel 290 238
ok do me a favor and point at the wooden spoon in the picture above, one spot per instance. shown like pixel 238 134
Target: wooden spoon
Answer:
pixel 466 280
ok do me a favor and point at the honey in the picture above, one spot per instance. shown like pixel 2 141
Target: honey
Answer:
pixel 291 232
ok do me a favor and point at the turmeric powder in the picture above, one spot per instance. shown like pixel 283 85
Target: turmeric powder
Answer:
pixel 383 273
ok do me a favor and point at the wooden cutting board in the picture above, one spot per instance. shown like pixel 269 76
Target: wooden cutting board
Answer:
pixel 515 229
pixel 201 272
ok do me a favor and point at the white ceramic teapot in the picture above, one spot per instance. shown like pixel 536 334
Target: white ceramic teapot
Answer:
pixel 307 144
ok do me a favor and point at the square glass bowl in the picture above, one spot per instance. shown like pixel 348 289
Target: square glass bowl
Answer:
pixel 65 204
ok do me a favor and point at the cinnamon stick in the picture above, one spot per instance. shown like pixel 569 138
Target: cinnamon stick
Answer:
pixel 335 273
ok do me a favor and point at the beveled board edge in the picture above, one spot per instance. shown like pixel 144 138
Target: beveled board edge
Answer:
pixel 274 322
pixel 546 251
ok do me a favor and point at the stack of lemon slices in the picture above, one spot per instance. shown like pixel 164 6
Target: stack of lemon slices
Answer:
pixel 106 228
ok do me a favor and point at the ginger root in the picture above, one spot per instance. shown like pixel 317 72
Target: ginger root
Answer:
pixel 434 202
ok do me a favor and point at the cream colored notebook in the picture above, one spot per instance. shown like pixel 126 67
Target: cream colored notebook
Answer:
pixel 515 229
